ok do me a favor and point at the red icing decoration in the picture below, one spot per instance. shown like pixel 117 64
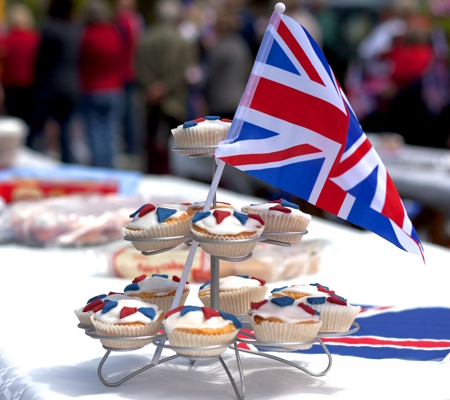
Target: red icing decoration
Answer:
pixel 257 217
pixel 209 313
pixel 198 120
pixel 92 305
pixel 255 306
pixel 320 288
pixel 276 201
pixel 220 215
pixel 139 278
pixel 186 204
pixel 175 310
pixel 126 311
pixel 261 281
pixel 146 209
pixel 281 208
pixel 226 120
pixel 110 293
pixel 100 307
pixel 336 300
pixel 307 308
pixel 177 279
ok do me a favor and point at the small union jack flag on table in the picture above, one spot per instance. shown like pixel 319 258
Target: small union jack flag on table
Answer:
pixel 295 129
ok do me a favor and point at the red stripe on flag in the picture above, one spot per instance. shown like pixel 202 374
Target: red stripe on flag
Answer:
pixel 423 344
pixel 393 207
pixel 248 159
pixel 331 197
pixel 354 159
pixel 301 109
pixel 299 53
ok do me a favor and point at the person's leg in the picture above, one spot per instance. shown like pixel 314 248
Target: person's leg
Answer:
pixel 131 119
pixel 63 110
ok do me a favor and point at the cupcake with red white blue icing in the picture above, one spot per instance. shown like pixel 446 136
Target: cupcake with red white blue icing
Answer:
pixel 230 226
pixel 191 326
pixel 281 216
pixel 159 221
pixel 281 320
pixel 236 293
pixel 207 131
pixel 129 318
pixel 336 314
pixel 199 205
pixel 157 289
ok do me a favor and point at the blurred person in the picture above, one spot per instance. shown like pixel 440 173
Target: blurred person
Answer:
pixel 162 61
pixel 229 64
pixel 131 27
pixel 18 60
pixel 57 79
pixel 101 75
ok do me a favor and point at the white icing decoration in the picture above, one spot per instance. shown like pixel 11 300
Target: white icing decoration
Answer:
pixel 233 283
pixel 113 315
pixel 290 314
pixel 157 285
pixel 265 207
pixel 194 320
pixel 151 219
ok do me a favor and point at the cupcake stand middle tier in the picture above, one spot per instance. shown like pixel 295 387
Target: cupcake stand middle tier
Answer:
pixel 244 337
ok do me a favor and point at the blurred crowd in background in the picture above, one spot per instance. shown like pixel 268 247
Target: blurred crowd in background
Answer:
pixel 102 82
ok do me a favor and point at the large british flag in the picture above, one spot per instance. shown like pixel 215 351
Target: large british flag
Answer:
pixel 295 129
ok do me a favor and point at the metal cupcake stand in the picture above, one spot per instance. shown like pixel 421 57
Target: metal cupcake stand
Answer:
pixel 244 336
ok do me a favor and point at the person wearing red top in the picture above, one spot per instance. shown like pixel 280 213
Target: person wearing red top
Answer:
pixel 18 60
pixel 101 82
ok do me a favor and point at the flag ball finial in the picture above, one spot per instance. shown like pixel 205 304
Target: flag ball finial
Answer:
pixel 280 7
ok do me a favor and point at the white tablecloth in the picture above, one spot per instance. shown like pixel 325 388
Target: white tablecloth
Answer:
pixel 44 356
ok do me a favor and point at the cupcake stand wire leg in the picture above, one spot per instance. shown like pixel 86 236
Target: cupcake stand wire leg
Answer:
pixel 239 394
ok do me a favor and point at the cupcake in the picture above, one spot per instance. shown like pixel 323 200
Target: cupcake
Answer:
pixel 129 318
pixel 159 221
pixel 229 225
pixel 335 313
pixel 208 131
pixel 189 326
pixel 236 293
pixel 84 313
pixel 280 320
pixel 281 216
pixel 158 289
pixel 199 205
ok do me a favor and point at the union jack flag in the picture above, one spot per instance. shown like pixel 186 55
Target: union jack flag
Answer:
pixel 295 129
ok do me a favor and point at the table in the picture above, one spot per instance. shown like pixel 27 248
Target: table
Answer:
pixel 44 356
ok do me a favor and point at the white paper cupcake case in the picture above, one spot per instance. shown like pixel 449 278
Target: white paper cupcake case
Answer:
pixel 125 330
pixel 282 223
pixel 336 318
pixel 184 339
pixel 84 317
pixel 209 135
pixel 237 301
pixel 180 228
pixel 164 303
pixel 226 250
pixel 281 332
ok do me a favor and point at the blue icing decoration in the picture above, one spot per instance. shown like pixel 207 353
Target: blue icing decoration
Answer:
pixel 286 203
pixel 109 306
pixel 131 286
pixel 316 300
pixel 241 217
pixel 204 285
pixel 187 309
pixel 137 211
pixel 231 318
pixel 283 301
pixel 278 289
pixel 160 276
pixel 189 124
pixel 317 284
pixel 211 117
pixel 100 296
pixel 200 215
pixel 244 276
pixel 317 312
pixel 251 205
pixel 164 213
pixel 148 312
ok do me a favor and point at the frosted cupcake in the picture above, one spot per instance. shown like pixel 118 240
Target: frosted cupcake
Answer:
pixel 229 225
pixel 199 205
pixel 208 131
pixel 84 313
pixel 281 216
pixel 280 320
pixel 190 326
pixel 158 289
pixel 236 293
pixel 128 318
pixel 335 313
pixel 159 221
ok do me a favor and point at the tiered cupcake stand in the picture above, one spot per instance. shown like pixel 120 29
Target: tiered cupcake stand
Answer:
pixel 245 336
